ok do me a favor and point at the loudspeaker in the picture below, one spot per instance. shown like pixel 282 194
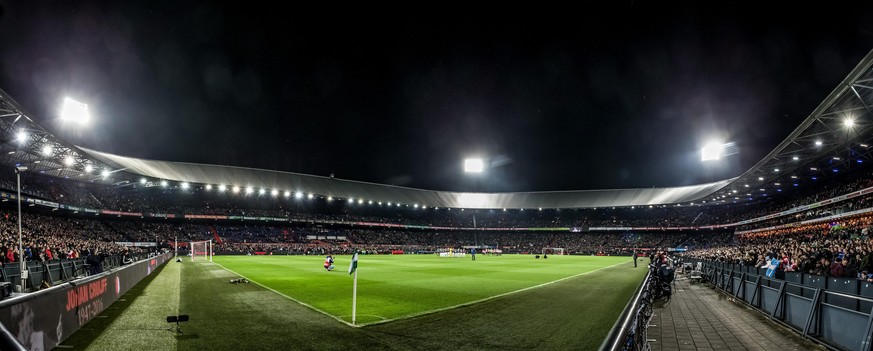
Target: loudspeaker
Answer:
pixel 5 290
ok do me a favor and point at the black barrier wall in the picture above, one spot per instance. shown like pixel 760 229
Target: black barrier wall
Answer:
pixel 42 320
pixel 834 311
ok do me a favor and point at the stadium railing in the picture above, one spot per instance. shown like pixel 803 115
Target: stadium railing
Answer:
pixel 630 330
pixel 837 312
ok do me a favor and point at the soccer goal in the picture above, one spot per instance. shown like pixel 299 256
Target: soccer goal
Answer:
pixel 554 251
pixel 201 250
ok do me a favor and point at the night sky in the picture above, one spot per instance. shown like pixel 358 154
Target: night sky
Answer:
pixel 553 99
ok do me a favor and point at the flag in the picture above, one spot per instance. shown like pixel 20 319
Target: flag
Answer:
pixel 354 265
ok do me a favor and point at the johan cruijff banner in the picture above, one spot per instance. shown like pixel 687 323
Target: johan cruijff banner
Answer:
pixel 42 320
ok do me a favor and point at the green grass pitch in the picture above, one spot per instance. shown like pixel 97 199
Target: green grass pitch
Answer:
pixel 405 302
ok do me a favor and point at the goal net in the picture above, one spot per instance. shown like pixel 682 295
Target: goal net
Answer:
pixel 201 250
pixel 554 251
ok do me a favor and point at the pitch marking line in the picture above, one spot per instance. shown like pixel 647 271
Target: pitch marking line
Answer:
pixel 291 298
pixel 424 312
pixel 485 299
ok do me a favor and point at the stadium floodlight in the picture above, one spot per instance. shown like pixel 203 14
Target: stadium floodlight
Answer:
pixel 818 143
pixel 310 196
pixel 262 191
pixel 287 193
pixel 330 198
pixel 360 201
pixel 208 187
pixel 712 151
pixel 351 200
pixel 473 165
pixel 416 205
pixel 298 195
pixel 795 158
pixel 164 183
pixel 75 111
pixel 849 122
pixel 370 202
pixel 389 204
pixel 424 207
pixel 142 181
pixel 69 160
pixel 185 185
pixel 88 168
pixel 236 189
pixel 105 173
pixel 47 150
pixel 274 192
pixel 380 203
pixel 250 190
pixel 21 137
pixel 222 187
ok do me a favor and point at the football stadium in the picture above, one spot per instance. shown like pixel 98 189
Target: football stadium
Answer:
pixel 230 244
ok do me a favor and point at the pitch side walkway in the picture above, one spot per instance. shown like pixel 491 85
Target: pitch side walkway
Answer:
pixel 697 317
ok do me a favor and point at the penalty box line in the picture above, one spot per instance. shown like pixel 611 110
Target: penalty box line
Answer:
pixel 291 298
pixel 487 298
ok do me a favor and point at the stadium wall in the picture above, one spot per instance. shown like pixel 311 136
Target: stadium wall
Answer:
pixel 42 320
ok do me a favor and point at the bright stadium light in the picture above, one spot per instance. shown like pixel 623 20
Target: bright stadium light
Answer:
pixel 262 191
pixel 250 190
pixel 208 187
pixel 236 189
pixel 712 151
pixel 360 201
pixel 222 187
pixel 88 168
pixel 849 123
pixel 105 173
pixel 473 165
pixel 818 143
pixel 330 198
pixel 164 183
pixel 75 111
pixel 310 196
pixel 69 160
pixel 274 193
pixel 47 150
pixel 298 195
pixel 287 193
pixel 21 137
pixel 185 185
pixel 142 181
pixel 351 200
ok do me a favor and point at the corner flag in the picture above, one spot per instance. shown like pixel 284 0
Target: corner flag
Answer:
pixel 354 265
pixel 353 269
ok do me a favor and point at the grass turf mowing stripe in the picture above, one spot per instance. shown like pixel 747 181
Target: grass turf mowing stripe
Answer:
pixel 571 314
pixel 289 297
pixel 487 298
pixel 400 286
pixel 575 314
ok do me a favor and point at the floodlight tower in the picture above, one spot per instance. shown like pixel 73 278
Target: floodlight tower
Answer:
pixel 850 124
pixel 474 167
pixel 75 112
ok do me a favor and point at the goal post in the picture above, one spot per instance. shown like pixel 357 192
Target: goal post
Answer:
pixel 554 251
pixel 201 250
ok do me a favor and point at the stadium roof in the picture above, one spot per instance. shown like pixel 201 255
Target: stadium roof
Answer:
pixel 834 138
